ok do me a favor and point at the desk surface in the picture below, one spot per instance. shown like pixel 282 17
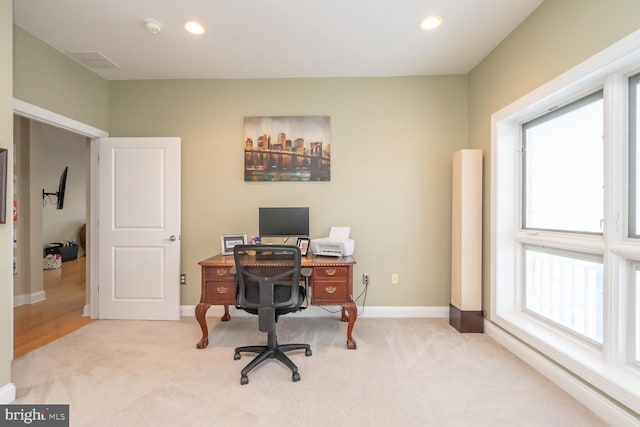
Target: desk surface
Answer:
pixel 310 261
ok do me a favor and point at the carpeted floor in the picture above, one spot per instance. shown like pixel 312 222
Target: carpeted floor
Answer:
pixel 405 372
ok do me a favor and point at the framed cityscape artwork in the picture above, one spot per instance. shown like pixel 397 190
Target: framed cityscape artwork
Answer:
pixel 287 148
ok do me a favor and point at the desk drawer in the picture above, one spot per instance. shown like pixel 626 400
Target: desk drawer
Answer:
pixel 330 273
pixel 328 291
pixel 218 292
pixel 218 273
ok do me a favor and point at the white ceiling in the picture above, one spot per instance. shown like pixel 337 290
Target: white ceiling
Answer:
pixel 275 39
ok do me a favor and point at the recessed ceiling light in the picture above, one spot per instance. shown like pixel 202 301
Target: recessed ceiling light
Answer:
pixel 194 27
pixel 431 22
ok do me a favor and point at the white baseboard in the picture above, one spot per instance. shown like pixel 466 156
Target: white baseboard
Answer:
pixel 7 394
pixel 590 397
pixel 329 311
pixel 33 298
pixel 86 311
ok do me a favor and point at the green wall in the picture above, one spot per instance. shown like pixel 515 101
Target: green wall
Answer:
pixel 53 81
pixel 557 36
pixel 6 141
pixel 392 141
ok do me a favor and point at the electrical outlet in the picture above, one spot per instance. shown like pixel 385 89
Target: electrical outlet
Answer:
pixel 394 278
pixel 183 279
pixel 365 279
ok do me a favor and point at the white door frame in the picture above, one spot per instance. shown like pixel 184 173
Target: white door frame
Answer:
pixel 30 111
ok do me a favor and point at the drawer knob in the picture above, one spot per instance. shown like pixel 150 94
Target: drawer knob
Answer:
pixel 221 272
pixel 330 271
pixel 222 290
pixel 330 289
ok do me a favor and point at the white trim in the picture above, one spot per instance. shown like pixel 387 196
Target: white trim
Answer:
pixel 7 394
pixel 331 311
pixel 30 111
pixel 606 409
pixel 92 226
pixel 33 298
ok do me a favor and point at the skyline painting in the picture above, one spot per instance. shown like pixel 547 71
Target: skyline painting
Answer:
pixel 287 148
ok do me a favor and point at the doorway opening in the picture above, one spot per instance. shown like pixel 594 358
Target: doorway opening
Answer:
pixel 50 295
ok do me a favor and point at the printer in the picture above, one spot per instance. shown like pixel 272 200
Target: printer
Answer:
pixel 337 244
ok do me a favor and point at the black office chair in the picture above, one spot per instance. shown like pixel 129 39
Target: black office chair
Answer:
pixel 268 284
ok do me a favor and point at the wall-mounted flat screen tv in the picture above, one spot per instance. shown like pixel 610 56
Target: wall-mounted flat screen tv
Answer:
pixel 62 185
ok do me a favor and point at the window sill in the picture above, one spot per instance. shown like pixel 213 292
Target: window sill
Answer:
pixel 584 360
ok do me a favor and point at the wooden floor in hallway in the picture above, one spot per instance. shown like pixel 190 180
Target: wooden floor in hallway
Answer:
pixel 58 315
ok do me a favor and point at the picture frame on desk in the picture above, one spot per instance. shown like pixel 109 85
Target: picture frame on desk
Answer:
pixel 228 241
pixel 303 244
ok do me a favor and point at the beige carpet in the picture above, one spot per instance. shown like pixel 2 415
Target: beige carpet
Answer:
pixel 406 372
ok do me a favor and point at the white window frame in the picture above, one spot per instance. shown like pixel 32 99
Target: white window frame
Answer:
pixel 608 368
pixel 634 335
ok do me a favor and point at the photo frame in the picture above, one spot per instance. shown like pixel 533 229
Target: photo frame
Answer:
pixel 4 154
pixel 228 241
pixel 303 244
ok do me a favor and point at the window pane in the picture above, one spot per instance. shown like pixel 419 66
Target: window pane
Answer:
pixel 634 137
pixel 565 290
pixel 563 168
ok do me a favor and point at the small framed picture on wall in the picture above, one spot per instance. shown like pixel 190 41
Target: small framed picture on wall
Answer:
pixel 303 244
pixel 228 241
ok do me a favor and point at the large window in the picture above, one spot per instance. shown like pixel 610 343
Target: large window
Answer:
pixel 563 191
pixel 562 164
pixel 565 225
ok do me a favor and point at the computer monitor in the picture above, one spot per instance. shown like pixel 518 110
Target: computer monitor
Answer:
pixel 283 222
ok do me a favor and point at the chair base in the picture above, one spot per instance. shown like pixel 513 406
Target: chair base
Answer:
pixel 270 351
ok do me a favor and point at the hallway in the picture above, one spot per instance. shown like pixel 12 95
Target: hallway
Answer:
pixel 60 314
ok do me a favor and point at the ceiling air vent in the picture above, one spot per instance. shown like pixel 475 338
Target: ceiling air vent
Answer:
pixel 93 59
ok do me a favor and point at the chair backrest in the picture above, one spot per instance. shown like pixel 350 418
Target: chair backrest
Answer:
pixel 268 276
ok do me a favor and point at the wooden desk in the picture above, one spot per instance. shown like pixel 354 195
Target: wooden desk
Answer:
pixel 331 283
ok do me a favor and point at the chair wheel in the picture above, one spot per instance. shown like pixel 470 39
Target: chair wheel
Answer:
pixel 236 355
pixel 307 352
pixel 245 380
pixel 295 377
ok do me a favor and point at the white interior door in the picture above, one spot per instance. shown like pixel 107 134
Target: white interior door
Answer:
pixel 139 228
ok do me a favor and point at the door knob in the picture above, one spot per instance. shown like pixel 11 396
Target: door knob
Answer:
pixel 172 238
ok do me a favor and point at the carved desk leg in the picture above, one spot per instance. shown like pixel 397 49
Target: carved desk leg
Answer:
pixel 201 313
pixel 345 317
pixel 226 316
pixel 352 311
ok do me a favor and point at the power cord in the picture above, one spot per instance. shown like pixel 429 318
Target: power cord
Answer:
pixel 362 295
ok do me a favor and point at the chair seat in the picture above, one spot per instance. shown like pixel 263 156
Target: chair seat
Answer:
pixel 278 290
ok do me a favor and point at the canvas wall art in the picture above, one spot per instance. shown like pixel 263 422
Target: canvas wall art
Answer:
pixel 287 148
